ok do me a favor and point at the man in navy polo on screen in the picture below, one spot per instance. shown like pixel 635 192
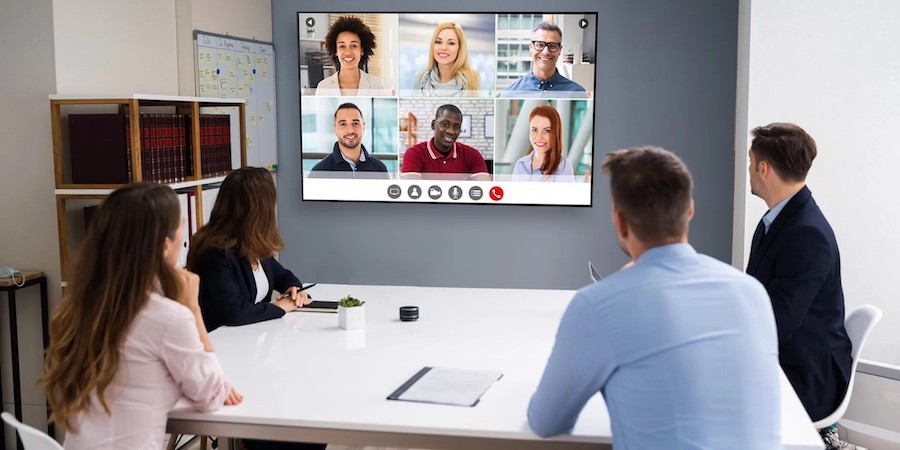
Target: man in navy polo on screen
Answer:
pixel 441 157
pixel 349 155
pixel 544 80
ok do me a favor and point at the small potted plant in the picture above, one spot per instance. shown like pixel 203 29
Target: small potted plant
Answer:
pixel 351 313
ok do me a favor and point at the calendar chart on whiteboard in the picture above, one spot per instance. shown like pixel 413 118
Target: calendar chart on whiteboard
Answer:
pixel 231 67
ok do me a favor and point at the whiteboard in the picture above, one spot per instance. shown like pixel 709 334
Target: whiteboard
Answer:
pixel 230 67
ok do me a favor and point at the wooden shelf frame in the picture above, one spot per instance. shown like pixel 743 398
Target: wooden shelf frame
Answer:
pixel 132 104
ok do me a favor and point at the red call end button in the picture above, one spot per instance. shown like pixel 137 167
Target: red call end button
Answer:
pixel 496 193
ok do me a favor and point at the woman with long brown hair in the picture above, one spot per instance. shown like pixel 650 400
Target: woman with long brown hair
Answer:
pixel 128 340
pixel 545 161
pixel 234 255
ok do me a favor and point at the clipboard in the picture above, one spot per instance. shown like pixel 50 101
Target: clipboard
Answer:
pixel 444 386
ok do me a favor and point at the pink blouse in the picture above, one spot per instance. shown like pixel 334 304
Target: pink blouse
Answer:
pixel 163 360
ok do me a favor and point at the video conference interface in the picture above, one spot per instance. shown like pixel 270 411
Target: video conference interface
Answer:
pixel 447 108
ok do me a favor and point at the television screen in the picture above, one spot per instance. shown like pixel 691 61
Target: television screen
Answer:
pixel 484 108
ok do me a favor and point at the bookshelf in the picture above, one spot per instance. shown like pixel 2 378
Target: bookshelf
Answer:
pixel 194 174
pixel 314 64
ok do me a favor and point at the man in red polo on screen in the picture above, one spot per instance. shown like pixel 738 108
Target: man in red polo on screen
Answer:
pixel 441 157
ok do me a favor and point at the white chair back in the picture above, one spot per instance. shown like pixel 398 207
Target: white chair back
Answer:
pixel 858 324
pixel 592 271
pixel 32 438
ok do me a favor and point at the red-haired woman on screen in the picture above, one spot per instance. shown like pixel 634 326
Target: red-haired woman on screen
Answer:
pixel 545 161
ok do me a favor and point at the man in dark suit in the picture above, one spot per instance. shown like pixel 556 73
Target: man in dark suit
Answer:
pixel 794 254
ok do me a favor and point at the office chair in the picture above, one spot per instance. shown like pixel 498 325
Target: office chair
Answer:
pixel 592 271
pixel 32 438
pixel 316 74
pixel 174 438
pixel 858 323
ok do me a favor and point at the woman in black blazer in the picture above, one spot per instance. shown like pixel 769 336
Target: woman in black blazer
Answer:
pixel 233 255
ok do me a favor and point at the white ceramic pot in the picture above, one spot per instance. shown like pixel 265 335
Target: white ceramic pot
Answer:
pixel 353 318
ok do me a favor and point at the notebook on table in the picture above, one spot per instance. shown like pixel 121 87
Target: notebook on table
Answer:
pixel 319 306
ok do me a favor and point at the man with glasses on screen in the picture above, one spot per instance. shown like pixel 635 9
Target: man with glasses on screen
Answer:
pixel 349 155
pixel 545 46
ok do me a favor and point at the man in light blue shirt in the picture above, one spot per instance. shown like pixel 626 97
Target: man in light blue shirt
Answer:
pixel 683 347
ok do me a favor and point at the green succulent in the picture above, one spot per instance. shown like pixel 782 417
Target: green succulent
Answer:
pixel 350 302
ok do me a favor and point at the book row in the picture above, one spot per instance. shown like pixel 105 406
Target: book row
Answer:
pixel 100 147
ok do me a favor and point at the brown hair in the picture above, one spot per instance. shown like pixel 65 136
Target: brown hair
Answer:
pixel 243 218
pixel 652 188
pixel 356 26
pixel 120 262
pixel 786 147
pixel 461 68
pixel 551 164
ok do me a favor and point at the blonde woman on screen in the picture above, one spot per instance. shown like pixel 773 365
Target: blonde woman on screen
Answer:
pixel 448 73
pixel 545 161
pixel 128 340
pixel 350 43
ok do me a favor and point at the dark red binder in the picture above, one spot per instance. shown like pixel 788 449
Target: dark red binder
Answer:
pixel 97 148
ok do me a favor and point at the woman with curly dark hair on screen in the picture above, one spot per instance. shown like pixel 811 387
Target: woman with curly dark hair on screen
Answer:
pixel 350 43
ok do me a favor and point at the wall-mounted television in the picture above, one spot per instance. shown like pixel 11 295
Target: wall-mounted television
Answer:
pixel 475 108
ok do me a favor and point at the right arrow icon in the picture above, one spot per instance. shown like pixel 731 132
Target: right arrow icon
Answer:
pixel 583 23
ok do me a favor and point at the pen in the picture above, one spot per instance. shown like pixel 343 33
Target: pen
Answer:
pixel 302 288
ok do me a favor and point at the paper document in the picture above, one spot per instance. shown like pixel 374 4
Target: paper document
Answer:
pixel 446 386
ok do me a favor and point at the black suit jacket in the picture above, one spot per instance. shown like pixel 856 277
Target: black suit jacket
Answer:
pixel 228 290
pixel 799 264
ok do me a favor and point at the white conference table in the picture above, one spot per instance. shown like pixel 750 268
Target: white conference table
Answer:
pixel 304 379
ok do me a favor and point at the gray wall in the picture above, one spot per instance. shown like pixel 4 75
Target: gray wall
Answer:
pixel 666 76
